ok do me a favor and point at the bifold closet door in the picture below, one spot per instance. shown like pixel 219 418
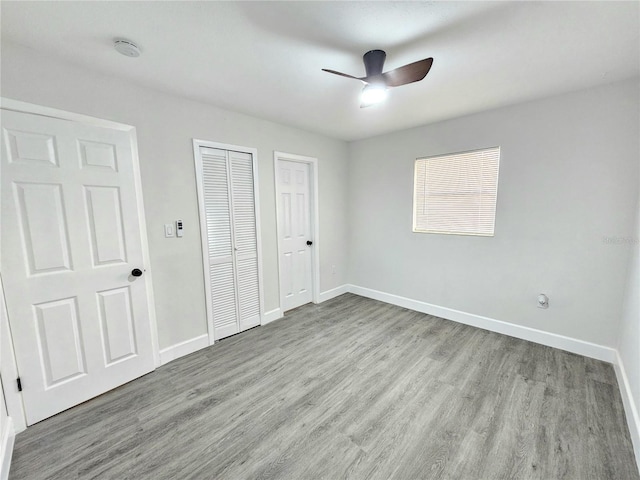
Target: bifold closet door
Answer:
pixel 229 206
pixel 245 238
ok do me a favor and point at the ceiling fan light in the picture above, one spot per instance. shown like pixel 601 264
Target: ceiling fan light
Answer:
pixel 372 94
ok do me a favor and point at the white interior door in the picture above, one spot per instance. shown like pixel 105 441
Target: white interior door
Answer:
pixel 221 283
pixel 230 238
pixel 294 228
pixel 70 241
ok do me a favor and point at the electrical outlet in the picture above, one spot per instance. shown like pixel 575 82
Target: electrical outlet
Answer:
pixel 543 301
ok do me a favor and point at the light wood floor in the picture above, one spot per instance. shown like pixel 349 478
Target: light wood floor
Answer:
pixel 351 388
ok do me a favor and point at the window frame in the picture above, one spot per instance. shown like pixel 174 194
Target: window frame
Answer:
pixel 453 154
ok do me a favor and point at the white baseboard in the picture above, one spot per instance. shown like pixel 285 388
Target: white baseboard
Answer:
pixel 7 439
pixel 277 314
pixel 193 345
pixel 272 316
pixel 630 409
pixel 183 348
pixel 334 292
pixel 599 352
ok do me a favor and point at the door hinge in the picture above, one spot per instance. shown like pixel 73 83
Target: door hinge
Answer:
pixel 19 384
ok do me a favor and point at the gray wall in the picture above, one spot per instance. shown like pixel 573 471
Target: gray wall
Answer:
pixel 568 178
pixel 165 126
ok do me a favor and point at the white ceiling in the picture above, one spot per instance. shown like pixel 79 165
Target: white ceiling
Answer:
pixel 264 58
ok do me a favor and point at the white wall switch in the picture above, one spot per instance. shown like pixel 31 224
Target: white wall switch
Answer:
pixel 168 230
pixel 179 228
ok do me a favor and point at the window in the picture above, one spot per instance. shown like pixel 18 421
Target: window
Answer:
pixel 456 193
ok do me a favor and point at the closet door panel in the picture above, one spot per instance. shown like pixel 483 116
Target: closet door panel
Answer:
pixel 224 301
pixel 245 235
pixel 248 293
pixel 244 214
pixel 217 203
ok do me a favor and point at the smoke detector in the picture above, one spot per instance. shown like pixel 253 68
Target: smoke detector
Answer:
pixel 126 47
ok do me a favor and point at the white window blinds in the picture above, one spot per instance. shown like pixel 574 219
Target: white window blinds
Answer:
pixel 456 193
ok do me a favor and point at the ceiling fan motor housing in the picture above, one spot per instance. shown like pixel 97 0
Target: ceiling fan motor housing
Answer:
pixel 374 62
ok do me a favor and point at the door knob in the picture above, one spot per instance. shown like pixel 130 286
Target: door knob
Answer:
pixel 136 272
pixel 309 242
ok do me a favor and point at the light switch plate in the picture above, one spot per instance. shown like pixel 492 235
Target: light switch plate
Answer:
pixel 168 230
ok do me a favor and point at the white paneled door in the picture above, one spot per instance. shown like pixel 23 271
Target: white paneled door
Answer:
pixel 72 261
pixel 230 238
pixel 294 228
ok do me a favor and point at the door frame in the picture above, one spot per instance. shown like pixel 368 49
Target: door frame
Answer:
pixel 197 157
pixel 315 220
pixel 9 370
pixel 13 398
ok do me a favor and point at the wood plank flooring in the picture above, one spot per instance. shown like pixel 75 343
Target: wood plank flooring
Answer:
pixel 352 388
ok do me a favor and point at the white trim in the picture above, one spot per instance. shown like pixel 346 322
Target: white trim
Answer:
pixel 631 412
pixel 184 348
pixel 315 220
pixel 256 200
pixel 14 398
pixel 25 107
pixel 7 439
pixel 197 157
pixel 203 238
pixel 334 292
pixel 272 316
pixel 146 256
pixel 581 347
pixel 9 370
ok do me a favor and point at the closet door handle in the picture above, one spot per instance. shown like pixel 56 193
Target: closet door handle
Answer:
pixel 136 272
pixel 309 242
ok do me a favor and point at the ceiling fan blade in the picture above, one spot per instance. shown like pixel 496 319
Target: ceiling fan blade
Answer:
pixel 341 74
pixel 413 72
